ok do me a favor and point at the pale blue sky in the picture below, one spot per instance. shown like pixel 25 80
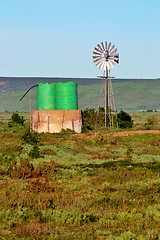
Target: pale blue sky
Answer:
pixel 56 37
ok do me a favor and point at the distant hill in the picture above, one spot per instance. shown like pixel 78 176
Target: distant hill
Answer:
pixel 130 94
pixel 19 83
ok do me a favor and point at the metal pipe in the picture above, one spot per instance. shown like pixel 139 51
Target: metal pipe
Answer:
pixel 27 92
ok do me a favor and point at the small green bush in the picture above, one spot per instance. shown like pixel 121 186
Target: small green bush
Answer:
pixel 30 137
pixel 35 152
pixel 124 120
pixel 16 119
pixel 89 118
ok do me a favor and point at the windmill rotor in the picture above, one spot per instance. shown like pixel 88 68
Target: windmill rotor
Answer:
pixel 105 56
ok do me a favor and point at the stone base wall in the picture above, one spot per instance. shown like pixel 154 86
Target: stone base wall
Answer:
pixel 54 121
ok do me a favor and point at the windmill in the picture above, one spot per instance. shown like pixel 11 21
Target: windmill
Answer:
pixel 105 57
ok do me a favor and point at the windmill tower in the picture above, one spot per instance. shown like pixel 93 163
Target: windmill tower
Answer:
pixel 105 56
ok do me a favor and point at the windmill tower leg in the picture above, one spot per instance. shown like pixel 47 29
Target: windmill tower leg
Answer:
pixel 106 100
pixel 111 107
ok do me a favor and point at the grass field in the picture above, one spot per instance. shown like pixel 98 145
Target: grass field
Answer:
pixel 99 185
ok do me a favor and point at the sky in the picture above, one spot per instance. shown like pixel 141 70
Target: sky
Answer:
pixel 56 38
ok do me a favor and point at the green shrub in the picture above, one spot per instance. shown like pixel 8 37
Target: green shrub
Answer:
pixel 34 152
pixel 124 120
pixel 30 137
pixel 89 119
pixel 16 119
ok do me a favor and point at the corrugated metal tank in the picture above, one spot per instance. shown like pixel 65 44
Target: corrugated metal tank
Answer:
pixel 46 96
pixel 66 96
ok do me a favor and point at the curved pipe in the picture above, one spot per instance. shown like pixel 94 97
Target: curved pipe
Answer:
pixel 28 91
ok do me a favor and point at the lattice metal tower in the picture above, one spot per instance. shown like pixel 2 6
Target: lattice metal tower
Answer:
pixel 105 56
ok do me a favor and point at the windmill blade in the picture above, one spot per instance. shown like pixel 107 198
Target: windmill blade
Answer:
pixel 97 53
pixel 116 60
pixel 106 46
pixel 113 51
pixel 114 55
pixel 107 66
pixel 96 61
pixel 98 50
pixel 111 64
pixel 96 57
pixel 99 64
pixel 112 48
pixel 99 47
pixel 109 45
pixel 103 46
pixel 103 67
pixel 111 61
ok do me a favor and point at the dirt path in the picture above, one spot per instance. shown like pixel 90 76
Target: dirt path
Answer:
pixel 126 133
pixel 122 133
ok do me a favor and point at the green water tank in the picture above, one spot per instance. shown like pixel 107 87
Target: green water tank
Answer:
pixel 66 96
pixel 46 96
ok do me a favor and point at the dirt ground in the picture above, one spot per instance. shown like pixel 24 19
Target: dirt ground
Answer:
pixel 123 133
pixel 126 133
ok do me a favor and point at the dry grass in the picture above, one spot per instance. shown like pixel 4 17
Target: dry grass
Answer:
pixel 97 186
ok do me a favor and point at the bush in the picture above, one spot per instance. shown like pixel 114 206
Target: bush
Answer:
pixel 152 123
pixel 30 137
pixel 16 119
pixel 124 120
pixel 89 119
pixel 35 153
